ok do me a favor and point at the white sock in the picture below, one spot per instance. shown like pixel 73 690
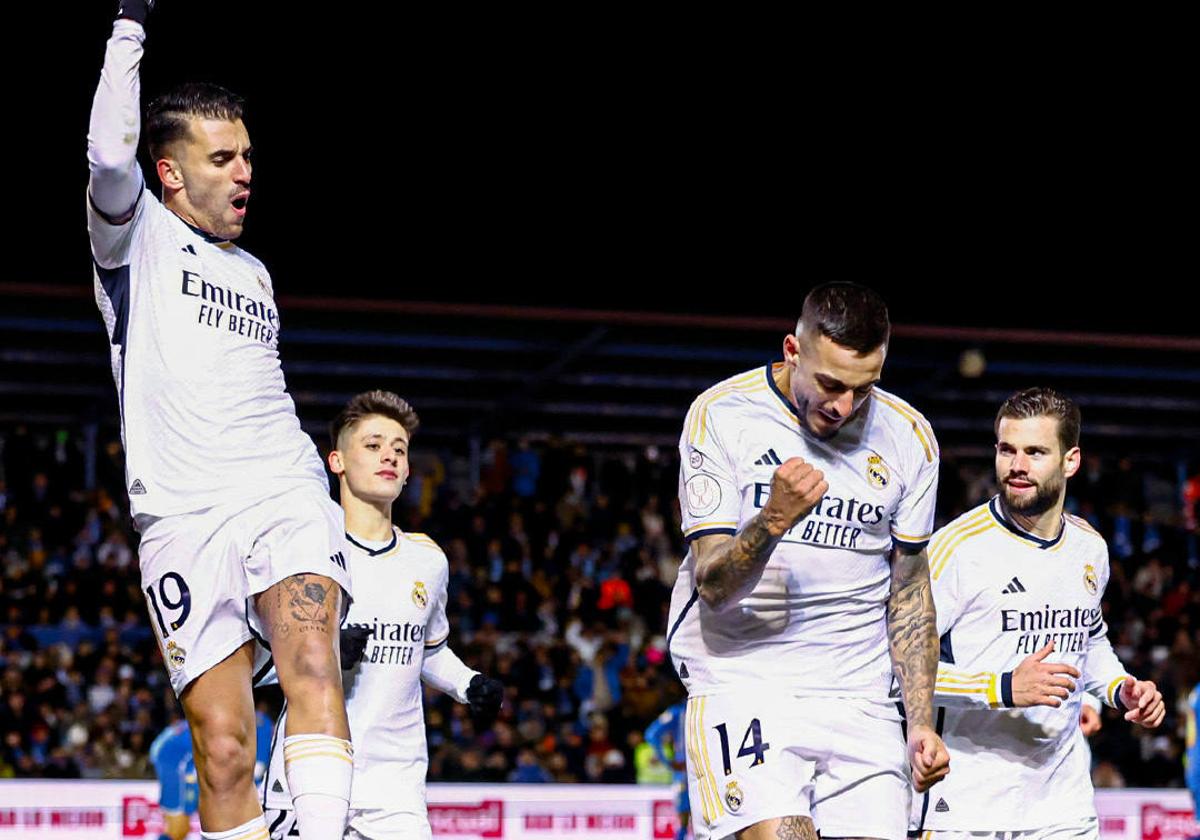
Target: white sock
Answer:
pixel 319 769
pixel 256 829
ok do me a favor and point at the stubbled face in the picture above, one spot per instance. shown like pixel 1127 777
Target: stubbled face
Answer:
pixel 1031 468
pixel 373 458
pixel 211 171
pixel 829 382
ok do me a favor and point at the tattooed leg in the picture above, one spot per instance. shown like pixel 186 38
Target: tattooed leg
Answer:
pixel 783 828
pixel 301 614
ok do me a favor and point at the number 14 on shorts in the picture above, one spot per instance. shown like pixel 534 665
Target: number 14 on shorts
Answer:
pixel 752 744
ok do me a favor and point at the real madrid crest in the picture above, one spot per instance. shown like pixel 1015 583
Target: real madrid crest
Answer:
pixel 877 472
pixel 419 595
pixel 1089 579
pixel 733 797
pixel 175 656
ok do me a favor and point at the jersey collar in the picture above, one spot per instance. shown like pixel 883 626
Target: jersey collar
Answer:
pixel 998 514
pixel 203 234
pixel 374 552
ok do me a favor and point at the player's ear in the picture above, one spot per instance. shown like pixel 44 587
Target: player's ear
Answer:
pixel 170 173
pixel 1071 462
pixel 336 465
pixel 791 346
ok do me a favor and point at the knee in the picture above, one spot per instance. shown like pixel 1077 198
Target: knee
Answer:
pixel 225 751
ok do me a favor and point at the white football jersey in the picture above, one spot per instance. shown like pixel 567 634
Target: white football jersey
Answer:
pixel 815 622
pixel 401 596
pixel 205 415
pixel 1002 594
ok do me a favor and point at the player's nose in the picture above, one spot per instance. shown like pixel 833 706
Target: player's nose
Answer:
pixel 241 171
pixel 844 404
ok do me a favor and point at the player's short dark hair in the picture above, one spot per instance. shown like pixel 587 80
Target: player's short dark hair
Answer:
pixel 1044 402
pixel 167 116
pixel 384 403
pixel 847 314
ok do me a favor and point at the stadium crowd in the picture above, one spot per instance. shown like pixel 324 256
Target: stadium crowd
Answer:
pixel 561 565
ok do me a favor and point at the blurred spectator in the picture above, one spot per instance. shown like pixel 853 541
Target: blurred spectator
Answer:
pixel 561 568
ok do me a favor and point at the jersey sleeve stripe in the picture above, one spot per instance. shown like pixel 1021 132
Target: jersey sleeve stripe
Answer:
pixel 701 403
pixel 687 532
pixel 740 389
pixel 954 678
pixel 949 551
pixel 1113 688
pixel 946 541
pixel 916 420
pixel 1082 524
pixel 909 538
pixel 438 643
pixel 989 690
pixel 946 534
pixel 729 532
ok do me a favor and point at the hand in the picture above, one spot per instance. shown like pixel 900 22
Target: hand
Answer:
pixel 1036 682
pixel 352 643
pixel 137 10
pixel 928 757
pixel 1144 701
pixel 1089 720
pixel 796 488
pixel 485 695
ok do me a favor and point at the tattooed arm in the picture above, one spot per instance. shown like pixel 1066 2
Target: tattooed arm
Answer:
pixel 912 636
pixel 728 568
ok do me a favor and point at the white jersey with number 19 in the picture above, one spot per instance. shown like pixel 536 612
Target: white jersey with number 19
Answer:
pixel 815 622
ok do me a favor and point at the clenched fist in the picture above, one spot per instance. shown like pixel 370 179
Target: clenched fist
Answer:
pixel 796 488
pixel 928 758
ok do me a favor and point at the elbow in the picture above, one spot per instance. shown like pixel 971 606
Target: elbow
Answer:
pixel 713 598
pixel 112 161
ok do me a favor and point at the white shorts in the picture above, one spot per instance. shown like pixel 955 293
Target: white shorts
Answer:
pixel 363 824
pixel 1085 829
pixel 199 571
pixel 754 756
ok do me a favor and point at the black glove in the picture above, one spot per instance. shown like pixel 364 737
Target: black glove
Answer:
pixel 353 643
pixel 484 695
pixel 137 10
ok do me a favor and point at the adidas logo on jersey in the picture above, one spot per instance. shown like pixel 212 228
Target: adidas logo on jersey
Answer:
pixel 942 807
pixel 1013 586
pixel 683 671
pixel 769 459
pixel 137 488
pixel 277 787
pixel 189 249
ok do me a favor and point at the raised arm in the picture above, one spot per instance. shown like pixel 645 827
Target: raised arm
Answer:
pixel 115 181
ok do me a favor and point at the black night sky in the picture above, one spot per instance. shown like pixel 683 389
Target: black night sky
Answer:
pixel 486 161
